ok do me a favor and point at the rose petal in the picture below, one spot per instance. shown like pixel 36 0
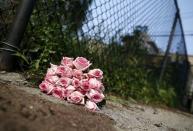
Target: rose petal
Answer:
pixel 52 70
pixel 75 97
pixel 52 79
pixel 57 92
pixel 64 71
pixel 46 87
pixel 64 82
pixel 91 106
pixel 95 96
pixel 77 74
pixel 95 84
pixel 67 61
pixel 85 85
pixel 97 73
pixel 81 63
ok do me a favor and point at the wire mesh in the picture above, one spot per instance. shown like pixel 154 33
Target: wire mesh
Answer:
pixel 107 21
pixel 109 18
pixel 104 19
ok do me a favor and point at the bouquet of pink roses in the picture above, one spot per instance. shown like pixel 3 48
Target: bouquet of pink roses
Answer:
pixel 72 81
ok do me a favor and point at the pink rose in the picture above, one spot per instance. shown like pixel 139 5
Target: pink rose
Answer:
pixel 70 81
pixel 64 71
pixel 75 82
pixel 75 97
pixel 95 84
pixel 77 73
pixel 51 70
pixel 46 87
pixel 95 96
pixel 97 73
pixel 91 106
pixel 64 81
pixel 52 79
pixel 68 91
pixel 67 61
pixel 85 84
pixel 81 63
pixel 57 92
pixel 81 91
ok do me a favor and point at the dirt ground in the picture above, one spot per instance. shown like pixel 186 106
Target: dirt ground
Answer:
pixel 25 112
pixel 25 108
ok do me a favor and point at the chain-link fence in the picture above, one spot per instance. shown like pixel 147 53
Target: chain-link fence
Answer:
pixel 148 31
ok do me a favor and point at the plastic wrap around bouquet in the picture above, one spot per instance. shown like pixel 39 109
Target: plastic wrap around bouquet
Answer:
pixel 73 82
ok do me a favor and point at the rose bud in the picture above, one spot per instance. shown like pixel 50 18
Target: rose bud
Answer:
pixel 95 84
pixel 84 84
pixel 97 73
pixel 52 79
pixel 77 73
pixel 91 106
pixel 81 63
pixel 81 90
pixel 52 70
pixel 57 92
pixel 68 91
pixel 64 82
pixel 64 71
pixel 67 61
pixel 46 87
pixel 95 96
pixel 75 97
pixel 75 82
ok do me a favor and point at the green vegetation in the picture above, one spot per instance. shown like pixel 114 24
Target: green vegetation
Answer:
pixel 126 72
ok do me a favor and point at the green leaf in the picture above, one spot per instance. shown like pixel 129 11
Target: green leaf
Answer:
pixel 34 50
pixel 21 56
pixel 37 64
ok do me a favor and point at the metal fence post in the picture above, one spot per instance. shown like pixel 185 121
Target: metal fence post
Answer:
pixel 16 33
pixel 165 59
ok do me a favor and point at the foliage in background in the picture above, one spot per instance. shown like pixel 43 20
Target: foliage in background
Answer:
pixel 52 33
pixel 123 64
